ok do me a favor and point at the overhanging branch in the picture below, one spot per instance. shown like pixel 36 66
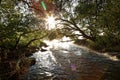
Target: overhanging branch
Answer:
pixel 72 22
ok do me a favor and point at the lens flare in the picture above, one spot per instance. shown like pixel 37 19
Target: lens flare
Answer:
pixel 43 5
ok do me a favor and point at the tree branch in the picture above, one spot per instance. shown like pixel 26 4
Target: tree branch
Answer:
pixel 34 40
pixel 72 22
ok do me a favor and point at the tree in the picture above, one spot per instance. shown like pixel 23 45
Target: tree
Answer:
pixel 16 26
pixel 70 19
pixel 19 29
pixel 96 20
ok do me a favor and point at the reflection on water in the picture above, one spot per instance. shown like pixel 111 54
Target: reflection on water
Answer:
pixel 57 44
pixel 114 58
pixel 66 61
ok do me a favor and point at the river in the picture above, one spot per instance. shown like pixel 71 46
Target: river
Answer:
pixel 67 61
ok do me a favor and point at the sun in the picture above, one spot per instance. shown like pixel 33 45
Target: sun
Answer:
pixel 50 21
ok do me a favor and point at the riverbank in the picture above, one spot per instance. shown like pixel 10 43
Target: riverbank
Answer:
pixel 113 50
pixel 15 64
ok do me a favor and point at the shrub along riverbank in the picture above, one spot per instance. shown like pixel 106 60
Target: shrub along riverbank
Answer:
pixel 113 50
pixel 16 63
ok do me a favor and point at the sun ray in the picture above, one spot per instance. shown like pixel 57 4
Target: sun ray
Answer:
pixel 50 21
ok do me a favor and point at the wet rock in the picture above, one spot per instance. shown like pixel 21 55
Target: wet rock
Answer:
pixel 43 50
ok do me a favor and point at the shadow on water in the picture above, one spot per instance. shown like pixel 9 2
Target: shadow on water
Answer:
pixel 66 61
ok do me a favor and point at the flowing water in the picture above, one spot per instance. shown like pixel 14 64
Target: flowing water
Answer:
pixel 67 61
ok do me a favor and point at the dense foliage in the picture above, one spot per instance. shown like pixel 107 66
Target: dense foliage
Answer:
pixel 20 30
pixel 18 27
pixel 95 20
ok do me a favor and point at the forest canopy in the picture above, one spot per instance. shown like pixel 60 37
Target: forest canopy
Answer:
pixel 24 21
